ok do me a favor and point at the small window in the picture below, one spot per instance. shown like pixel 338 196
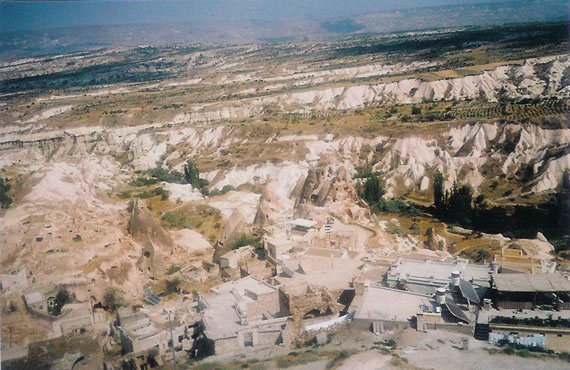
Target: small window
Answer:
pixel 559 335
pixel 180 338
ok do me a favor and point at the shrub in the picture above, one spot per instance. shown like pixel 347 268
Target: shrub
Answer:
pixel 246 239
pixel 509 350
pixel 227 188
pixel 173 269
pixel 161 174
pixel 415 228
pixel 111 299
pixel 124 194
pixel 172 286
pixel 143 181
pixel 144 195
pixel 214 192
pixel 396 230
pixel 160 191
pixel 338 358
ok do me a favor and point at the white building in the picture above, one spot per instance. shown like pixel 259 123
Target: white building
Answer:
pixel 425 276
pixel 275 247
pixel 141 335
pixel 243 313
pixel 36 302
pixel 234 257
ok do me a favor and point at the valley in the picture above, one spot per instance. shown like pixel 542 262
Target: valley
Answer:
pixel 133 172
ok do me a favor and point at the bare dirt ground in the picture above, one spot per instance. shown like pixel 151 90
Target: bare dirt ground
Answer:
pixel 442 350
pixel 431 350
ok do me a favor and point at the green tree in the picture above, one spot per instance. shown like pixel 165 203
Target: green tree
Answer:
pixel 479 202
pixel 373 191
pixel 438 194
pixel 191 174
pixel 61 299
pixel 5 200
pixel 460 204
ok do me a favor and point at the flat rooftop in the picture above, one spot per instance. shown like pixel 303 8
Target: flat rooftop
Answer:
pixel 34 297
pixel 530 283
pixel 380 303
pixel 417 271
pixel 140 329
pixel 221 317
pixel 333 273
pixel 239 252
pixel 485 316
pixel 249 283
pixel 279 241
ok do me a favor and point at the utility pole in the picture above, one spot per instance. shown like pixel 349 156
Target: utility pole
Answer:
pixel 171 339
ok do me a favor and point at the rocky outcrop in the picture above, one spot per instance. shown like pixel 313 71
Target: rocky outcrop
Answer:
pixel 235 224
pixel 434 241
pixel 538 77
pixel 146 230
pixel 322 186
pixel 305 189
pixel 264 211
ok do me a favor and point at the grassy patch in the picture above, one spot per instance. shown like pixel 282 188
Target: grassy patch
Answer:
pixel 339 357
pixel 125 194
pixel 297 358
pixel 397 360
pixel 250 364
pixel 143 181
pixel 202 218
pixel 246 239
pixel 173 269
pixel 528 352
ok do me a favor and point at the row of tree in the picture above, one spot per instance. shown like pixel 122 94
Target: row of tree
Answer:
pixel 552 218
pixel 454 204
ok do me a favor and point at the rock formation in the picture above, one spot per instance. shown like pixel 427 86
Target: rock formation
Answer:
pixel 146 230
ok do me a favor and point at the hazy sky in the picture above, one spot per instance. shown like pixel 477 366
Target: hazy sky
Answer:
pixel 31 15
